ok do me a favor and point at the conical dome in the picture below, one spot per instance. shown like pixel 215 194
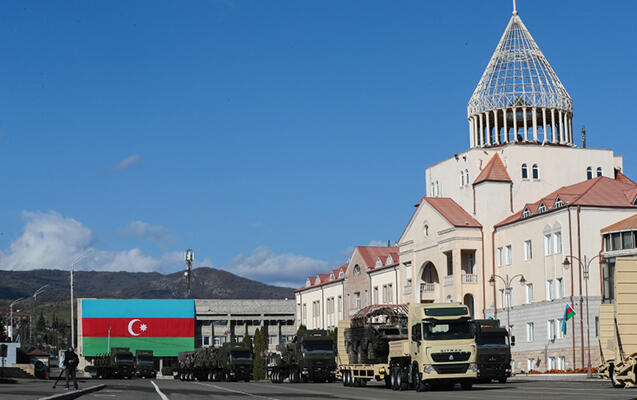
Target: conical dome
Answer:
pixel 520 82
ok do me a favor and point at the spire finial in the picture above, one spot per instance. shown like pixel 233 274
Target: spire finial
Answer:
pixel 515 9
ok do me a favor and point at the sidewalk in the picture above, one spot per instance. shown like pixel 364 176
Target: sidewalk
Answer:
pixel 554 377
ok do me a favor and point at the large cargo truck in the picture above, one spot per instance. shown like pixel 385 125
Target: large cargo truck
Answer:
pixel 493 351
pixel 439 352
pixel 118 363
pixel 234 362
pixel 145 364
pixel 618 327
pixel 309 357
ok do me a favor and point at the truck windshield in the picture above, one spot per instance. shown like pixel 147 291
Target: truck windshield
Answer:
pixel 146 359
pixel 318 347
pixel 124 358
pixel 485 340
pixel 240 355
pixel 447 330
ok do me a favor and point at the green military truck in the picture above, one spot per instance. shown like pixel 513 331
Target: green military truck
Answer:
pixel 494 351
pixel 145 364
pixel 439 352
pixel 233 362
pixel 309 357
pixel 119 363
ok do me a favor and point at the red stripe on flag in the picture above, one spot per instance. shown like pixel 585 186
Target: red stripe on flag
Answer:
pixel 138 327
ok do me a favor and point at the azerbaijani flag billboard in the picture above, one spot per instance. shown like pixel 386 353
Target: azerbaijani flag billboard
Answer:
pixel 164 326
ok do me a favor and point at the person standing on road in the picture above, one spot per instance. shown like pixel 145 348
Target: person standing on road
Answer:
pixel 70 366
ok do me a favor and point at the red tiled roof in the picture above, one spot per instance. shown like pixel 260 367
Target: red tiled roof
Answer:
pixel 324 278
pixel 629 223
pixel 452 212
pixel 371 253
pixel 601 191
pixel 623 178
pixel 494 171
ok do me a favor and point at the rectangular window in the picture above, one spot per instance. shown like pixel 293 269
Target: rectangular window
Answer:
pixel 596 326
pixel 558 328
pixel 340 307
pixel 559 288
pixel 530 364
pixel 557 242
pixel 627 240
pixel 547 245
pixel 304 312
pixel 561 363
pixel 500 257
pixel 390 293
pixel 376 295
pixel 528 250
pixel 357 300
pixel 529 293
pixel 550 329
pixel 206 341
pixel 530 331
pixel 616 238
pixel 508 255
pixel 219 341
pixel 551 363
pixel 549 290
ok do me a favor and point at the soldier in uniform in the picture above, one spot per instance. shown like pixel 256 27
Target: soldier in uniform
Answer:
pixel 70 366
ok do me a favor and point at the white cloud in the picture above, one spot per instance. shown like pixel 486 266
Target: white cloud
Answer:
pixel 266 266
pixel 51 240
pixel 126 162
pixel 156 233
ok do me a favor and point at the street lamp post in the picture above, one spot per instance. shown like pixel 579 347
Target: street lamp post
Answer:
pixel 11 313
pixel 585 266
pixel 507 288
pixel 35 311
pixel 73 264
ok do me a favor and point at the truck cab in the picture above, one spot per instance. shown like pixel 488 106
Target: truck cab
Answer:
pixel 494 350
pixel 145 364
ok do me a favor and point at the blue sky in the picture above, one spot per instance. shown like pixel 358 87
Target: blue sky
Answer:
pixel 269 136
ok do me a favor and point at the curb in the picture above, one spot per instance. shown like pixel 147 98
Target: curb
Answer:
pixel 74 394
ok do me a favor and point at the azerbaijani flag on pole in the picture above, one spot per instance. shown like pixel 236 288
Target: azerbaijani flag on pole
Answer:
pixel 165 326
pixel 568 314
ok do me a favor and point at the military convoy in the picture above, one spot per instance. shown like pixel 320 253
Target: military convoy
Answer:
pixel 119 363
pixel 493 351
pixel 617 329
pixel 309 357
pixel 230 362
pixel 439 349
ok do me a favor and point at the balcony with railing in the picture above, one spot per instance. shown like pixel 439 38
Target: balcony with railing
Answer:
pixel 448 280
pixel 428 291
pixel 469 279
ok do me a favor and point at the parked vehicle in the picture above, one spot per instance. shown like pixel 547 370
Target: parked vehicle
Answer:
pixel 118 363
pixel 494 350
pixel 145 364
pixel 439 351
pixel 309 357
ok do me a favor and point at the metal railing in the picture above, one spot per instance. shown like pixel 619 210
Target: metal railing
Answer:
pixel 427 287
pixel 469 278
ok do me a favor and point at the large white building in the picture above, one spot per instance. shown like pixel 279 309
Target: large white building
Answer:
pixel 500 218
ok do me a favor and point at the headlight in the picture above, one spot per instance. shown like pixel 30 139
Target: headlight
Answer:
pixel 428 369
pixel 473 367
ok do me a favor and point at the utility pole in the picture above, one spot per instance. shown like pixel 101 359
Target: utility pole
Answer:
pixel 77 260
pixel 190 257
pixel 35 311
pixel 11 313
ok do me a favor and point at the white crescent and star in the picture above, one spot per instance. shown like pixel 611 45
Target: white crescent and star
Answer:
pixel 142 327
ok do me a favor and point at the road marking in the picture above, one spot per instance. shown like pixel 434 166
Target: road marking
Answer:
pixel 163 396
pixel 237 391
pixel 365 396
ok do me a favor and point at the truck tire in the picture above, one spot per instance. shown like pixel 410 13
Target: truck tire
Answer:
pixel 362 354
pixel 420 385
pixel 392 378
pixel 613 378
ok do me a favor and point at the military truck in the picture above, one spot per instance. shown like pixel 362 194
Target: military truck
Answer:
pixel 118 363
pixel 233 362
pixel 371 329
pixel 185 361
pixel 145 364
pixel 439 351
pixel 494 351
pixel 617 329
pixel 309 357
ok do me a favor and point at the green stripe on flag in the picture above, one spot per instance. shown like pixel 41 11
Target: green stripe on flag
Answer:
pixel 161 346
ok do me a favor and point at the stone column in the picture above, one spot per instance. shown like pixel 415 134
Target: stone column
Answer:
pixel 482 141
pixel 534 124
pixel 497 128
pixel 561 119
pixel 515 125
pixel 506 128
pixel 544 124
pixel 472 138
pixel 570 127
pixel 553 133
pixel 526 129
pixel 488 129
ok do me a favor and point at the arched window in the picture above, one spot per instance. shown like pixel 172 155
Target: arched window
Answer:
pixel 433 188
pixel 599 171
pixel 542 208
pixel 437 189
pixel 589 173
pixel 536 172
pixel 461 178
pixel 466 173
pixel 426 230
pixel 357 270
pixel 525 172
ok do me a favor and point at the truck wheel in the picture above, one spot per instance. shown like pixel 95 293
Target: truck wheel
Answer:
pixel 392 379
pixel 420 385
pixel 401 383
pixel 613 378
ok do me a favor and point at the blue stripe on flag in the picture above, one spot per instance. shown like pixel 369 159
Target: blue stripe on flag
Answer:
pixel 134 308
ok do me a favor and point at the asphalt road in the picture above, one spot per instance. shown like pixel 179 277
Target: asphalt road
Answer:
pixel 139 389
